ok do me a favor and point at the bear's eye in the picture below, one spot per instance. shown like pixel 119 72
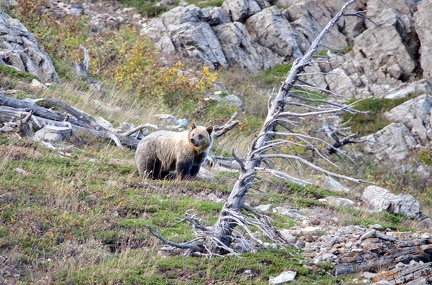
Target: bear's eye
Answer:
pixel 200 137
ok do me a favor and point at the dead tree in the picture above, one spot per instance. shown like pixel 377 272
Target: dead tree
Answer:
pixel 280 128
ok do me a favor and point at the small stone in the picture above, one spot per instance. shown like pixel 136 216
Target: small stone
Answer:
pixel 282 278
pixel 312 231
pixel 265 208
pixel 288 235
pixel 368 275
pixel 213 198
pixel 54 133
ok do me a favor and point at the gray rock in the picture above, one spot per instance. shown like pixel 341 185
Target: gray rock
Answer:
pixel 19 48
pixel 406 89
pixel 292 213
pixel 384 57
pixel 265 208
pixel 334 185
pixel 312 231
pixel 184 30
pixel 288 236
pixel 339 202
pixel 416 115
pixel 282 278
pixel 213 198
pixel 240 49
pixel 272 30
pixel 216 16
pixel 422 21
pixel 230 99
pixel 37 84
pixel 54 134
pixel 240 10
pixel 393 142
pixel 309 18
pixel 380 199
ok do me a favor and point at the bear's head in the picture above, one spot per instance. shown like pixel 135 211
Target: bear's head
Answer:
pixel 200 137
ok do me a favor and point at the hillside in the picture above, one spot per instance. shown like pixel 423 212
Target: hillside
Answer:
pixel 76 211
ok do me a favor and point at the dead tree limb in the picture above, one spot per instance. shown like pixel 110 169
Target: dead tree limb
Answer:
pixel 220 130
pixel 235 203
pixel 53 112
pixel 235 217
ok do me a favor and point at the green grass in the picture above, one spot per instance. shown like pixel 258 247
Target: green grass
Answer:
pixel 276 75
pixel 252 268
pixel 82 219
pixel 373 120
pixel 13 73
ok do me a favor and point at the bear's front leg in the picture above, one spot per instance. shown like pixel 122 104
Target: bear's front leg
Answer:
pixel 183 169
pixel 198 161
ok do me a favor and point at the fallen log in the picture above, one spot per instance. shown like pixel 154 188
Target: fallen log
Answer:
pixel 45 112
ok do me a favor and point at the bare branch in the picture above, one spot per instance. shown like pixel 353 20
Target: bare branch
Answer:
pixel 283 175
pixel 311 165
pixel 171 243
pixel 220 130
pixel 134 130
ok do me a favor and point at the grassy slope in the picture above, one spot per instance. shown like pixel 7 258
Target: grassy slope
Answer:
pixel 79 217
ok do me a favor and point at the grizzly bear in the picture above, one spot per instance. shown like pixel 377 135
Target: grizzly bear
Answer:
pixel 162 152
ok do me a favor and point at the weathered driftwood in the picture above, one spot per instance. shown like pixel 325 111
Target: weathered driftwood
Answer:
pixel 412 274
pixel 234 214
pixel 380 253
pixel 52 112
pixel 220 130
pixel 12 112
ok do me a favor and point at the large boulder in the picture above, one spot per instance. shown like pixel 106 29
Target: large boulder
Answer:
pixel 424 32
pixel 380 199
pixel 309 18
pixel 240 49
pixel 272 30
pixel 184 30
pixel 416 115
pixel 393 142
pixel 240 10
pixel 19 48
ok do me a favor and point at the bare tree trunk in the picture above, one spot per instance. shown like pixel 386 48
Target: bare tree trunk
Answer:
pixel 223 228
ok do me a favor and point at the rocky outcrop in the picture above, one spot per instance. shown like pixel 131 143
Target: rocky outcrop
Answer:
pixel 184 30
pixel 410 130
pixel 394 142
pixel 253 35
pixel 379 199
pixel 379 254
pixel 422 23
pixel 416 115
pixel 18 48
pixel 388 50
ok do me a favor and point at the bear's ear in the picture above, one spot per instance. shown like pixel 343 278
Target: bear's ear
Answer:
pixel 193 126
pixel 209 130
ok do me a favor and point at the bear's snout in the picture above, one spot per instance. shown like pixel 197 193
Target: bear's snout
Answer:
pixel 194 141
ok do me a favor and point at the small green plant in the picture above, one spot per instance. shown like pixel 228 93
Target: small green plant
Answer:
pixel 147 8
pixel 277 74
pixel 11 72
pixel 425 156
pixel 208 3
pixel 373 120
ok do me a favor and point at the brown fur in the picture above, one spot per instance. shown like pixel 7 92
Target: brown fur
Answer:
pixel 164 151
